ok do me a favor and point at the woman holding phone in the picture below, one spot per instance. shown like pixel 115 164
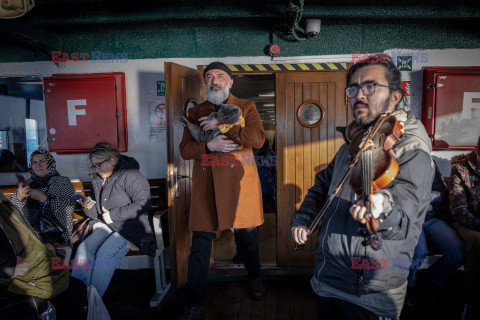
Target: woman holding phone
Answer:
pixel 46 199
pixel 120 208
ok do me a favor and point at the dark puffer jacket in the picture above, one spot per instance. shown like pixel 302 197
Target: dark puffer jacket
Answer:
pixel 126 194
pixel 406 201
pixel 465 190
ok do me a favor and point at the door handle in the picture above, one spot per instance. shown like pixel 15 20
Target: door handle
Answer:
pixel 172 181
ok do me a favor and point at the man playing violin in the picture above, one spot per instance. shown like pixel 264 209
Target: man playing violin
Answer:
pixel 353 278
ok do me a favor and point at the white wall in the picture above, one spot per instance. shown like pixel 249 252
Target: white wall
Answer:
pixel 141 78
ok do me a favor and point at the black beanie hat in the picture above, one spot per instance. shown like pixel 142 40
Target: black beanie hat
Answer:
pixel 217 65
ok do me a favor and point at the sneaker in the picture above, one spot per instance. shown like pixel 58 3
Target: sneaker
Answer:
pixel 193 313
pixel 257 288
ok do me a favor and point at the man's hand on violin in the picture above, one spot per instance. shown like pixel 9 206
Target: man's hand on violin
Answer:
pixel 299 234
pixel 358 209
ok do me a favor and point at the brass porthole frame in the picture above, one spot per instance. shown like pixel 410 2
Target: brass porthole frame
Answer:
pixel 322 110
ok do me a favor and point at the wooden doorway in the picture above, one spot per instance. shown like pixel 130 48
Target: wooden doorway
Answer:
pixel 182 85
pixel 304 151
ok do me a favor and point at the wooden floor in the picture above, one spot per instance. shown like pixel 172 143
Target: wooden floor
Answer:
pixel 288 297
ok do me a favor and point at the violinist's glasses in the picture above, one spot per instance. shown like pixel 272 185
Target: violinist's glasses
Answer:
pixel 367 89
pixel 98 164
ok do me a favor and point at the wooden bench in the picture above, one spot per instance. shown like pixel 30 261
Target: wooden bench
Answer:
pixel 135 259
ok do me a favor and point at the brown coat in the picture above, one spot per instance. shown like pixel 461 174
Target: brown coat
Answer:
pixel 226 189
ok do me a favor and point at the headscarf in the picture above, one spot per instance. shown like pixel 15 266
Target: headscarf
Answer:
pixel 40 182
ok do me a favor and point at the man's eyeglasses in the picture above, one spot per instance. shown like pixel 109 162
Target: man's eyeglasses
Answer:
pixel 98 164
pixel 367 89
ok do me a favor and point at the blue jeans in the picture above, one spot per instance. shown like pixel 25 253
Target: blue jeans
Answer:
pixel 444 239
pixel 98 256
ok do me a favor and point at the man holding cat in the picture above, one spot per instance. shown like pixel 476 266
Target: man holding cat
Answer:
pixel 222 197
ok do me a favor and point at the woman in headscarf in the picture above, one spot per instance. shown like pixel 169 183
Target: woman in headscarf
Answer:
pixel 47 200
pixel 121 208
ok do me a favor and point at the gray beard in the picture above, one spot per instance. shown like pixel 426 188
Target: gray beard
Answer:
pixel 217 97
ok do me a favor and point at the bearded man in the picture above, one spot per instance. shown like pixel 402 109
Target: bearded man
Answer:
pixel 353 280
pixel 226 190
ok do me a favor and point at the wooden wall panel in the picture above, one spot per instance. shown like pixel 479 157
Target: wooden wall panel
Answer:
pixel 304 151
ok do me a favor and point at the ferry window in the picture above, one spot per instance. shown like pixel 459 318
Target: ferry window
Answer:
pixel 22 121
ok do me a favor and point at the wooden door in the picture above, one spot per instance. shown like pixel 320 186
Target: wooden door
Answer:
pixel 302 152
pixel 182 84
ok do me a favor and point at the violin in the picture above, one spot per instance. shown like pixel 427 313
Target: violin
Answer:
pixel 376 169
pixel 373 167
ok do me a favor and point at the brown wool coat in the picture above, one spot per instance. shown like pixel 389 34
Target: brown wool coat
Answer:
pixel 226 189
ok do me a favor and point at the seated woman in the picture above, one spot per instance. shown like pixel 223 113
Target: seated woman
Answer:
pixel 441 236
pixel 47 198
pixel 122 206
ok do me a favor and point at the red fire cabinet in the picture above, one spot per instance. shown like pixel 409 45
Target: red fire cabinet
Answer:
pixel 451 106
pixel 84 109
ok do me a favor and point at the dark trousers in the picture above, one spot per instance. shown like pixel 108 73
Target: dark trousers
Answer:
pixel 199 259
pixel 338 309
pixel 70 304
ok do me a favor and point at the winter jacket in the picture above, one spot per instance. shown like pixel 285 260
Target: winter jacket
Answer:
pixel 59 205
pixel 17 238
pixel 340 242
pixel 226 189
pixel 465 190
pixel 126 194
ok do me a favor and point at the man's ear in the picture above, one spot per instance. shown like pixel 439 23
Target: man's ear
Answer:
pixel 230 83
pixel 395 99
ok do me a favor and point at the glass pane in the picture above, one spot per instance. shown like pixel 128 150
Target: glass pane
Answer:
pixel 310 114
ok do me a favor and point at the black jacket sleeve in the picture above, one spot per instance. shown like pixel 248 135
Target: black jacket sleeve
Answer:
pixel 8 260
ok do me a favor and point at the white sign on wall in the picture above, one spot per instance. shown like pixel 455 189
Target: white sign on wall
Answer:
pixel 158 120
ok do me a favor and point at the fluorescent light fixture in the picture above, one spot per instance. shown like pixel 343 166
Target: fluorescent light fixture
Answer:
pixel 269 104
pixel 266 94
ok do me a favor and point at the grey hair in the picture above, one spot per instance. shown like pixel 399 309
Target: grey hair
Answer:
pixel 105 151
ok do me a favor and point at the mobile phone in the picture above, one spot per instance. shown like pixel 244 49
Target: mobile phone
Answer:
pixel 77 196
pixel 21 179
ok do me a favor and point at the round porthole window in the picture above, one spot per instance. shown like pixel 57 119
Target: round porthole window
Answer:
pixel 310 114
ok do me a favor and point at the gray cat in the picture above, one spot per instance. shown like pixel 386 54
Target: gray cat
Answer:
pixel 228 115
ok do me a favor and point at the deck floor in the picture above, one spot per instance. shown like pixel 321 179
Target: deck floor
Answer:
pixel 288 297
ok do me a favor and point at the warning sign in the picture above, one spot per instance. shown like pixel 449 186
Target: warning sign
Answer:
pixel 158 120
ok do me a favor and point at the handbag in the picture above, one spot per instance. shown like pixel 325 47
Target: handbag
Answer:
pixel 51 230
pixel 81 232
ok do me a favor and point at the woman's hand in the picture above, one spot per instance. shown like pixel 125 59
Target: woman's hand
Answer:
pixel 22 192
pixel 88 203
pixel 106 216
pixel 38 195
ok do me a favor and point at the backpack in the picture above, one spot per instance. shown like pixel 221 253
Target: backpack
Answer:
pixel 40 279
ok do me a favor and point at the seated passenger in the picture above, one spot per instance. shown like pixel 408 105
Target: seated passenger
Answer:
pixel 440 236
pixel 8 162
pixel 28 279
pixel 121 206
pixel 47 201
pixel 465 208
